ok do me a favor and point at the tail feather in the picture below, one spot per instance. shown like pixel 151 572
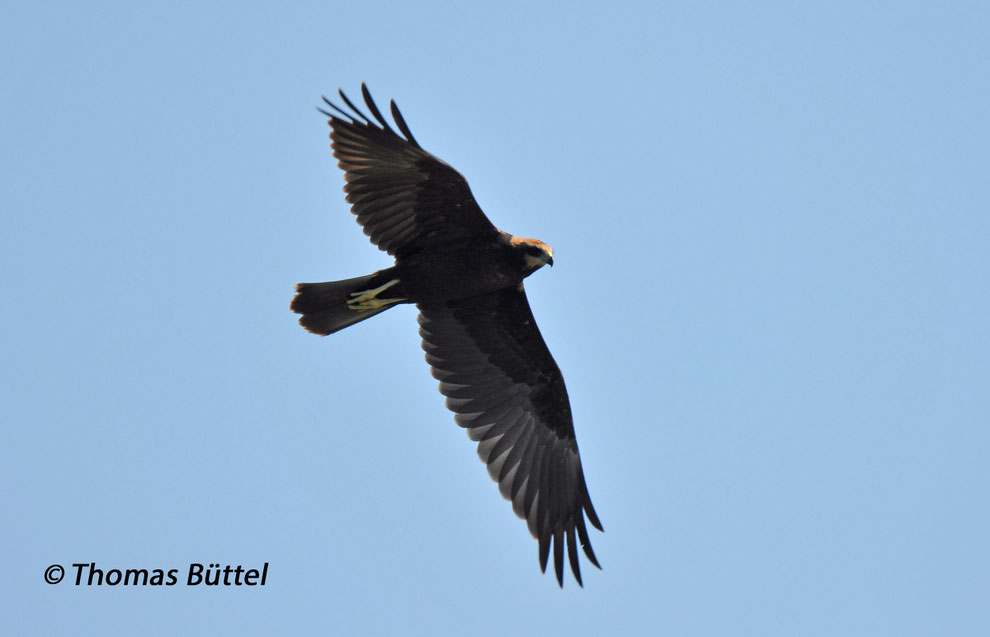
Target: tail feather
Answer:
pixel 324 306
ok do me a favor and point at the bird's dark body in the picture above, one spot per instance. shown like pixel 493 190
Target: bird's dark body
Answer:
pixel 481 340
pixel 460 270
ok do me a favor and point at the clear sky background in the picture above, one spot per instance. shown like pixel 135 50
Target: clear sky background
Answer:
pixel 770 301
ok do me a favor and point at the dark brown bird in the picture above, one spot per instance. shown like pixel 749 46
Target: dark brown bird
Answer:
pixel 481 341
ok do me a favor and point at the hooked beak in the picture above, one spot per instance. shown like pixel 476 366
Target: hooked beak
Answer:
pixel 550 261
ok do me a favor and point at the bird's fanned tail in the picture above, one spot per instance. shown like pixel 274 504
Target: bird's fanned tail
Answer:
pixel 329 307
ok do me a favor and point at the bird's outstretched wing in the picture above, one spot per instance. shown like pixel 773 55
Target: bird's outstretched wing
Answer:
pixel 405 198
pixel 505 388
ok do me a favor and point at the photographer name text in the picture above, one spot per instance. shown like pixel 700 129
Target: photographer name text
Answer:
pixel 195 575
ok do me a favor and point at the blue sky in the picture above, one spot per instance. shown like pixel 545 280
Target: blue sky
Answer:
pixel 769 301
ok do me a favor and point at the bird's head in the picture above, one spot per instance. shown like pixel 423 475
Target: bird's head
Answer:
pixel 535 253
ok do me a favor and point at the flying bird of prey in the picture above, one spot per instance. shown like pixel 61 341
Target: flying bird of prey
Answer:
pixel 481 341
